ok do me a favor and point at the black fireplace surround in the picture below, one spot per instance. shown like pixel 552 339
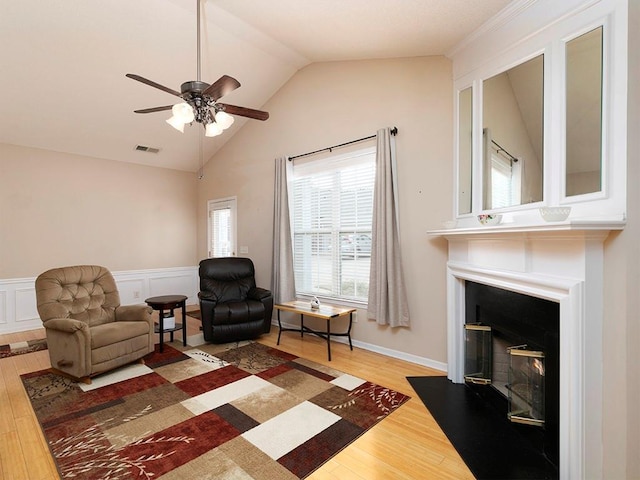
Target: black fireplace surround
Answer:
pixel 525 320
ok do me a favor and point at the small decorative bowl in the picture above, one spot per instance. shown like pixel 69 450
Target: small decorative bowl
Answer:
pixel 555 214
pixel 486 219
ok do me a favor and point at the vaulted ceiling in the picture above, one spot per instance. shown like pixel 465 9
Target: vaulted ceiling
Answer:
pixel 63 62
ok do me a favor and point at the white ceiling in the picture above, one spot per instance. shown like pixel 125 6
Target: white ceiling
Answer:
pixel 63 62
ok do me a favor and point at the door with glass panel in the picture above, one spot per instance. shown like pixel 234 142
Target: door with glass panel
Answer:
pixel 222 227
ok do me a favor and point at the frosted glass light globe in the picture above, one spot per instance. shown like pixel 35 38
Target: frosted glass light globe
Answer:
pixel 212 129
pixel 224 120
pixel 183 111
pixel 176 123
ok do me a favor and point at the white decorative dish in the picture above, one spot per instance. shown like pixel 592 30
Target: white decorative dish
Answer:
pixel 555 214
pixel 486 219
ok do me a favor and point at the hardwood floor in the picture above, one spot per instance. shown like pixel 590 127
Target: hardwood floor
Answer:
pixel 407 445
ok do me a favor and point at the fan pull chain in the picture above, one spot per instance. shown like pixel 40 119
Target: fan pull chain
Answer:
pixel 200 152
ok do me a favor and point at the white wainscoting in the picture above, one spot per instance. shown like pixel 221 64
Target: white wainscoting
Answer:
pixel 18 310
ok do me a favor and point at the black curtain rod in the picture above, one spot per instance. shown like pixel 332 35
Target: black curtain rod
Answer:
pixel 394 132
pixel 500 149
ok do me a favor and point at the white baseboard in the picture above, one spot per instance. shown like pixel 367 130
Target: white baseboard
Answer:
pixel 425 362
pixel 18 311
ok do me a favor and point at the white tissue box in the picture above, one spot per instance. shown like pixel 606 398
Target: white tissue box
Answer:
pixel 169 323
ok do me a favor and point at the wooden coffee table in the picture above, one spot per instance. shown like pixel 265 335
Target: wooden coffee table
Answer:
pixel 169 302
pixel 327 312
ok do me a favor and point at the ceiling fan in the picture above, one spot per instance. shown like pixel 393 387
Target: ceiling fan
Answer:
pixel 200 100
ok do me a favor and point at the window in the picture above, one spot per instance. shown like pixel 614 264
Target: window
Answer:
pixel 331 217
pixel 222 228
pixel 505 181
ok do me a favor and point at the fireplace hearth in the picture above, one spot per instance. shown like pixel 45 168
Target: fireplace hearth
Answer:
pixel 512 351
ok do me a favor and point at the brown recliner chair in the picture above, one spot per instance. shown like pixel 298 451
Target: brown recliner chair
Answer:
pixel 88 331
pixel 231 306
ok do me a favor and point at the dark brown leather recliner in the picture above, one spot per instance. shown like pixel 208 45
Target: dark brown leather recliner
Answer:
pixel 232 307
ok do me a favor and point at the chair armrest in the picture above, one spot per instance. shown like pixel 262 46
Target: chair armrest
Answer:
pixel 258 293
pixel 132 313
pixel 209 296
pixel 67 325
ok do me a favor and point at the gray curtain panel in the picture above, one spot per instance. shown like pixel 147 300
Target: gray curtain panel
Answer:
pixel 282 276
pixel 387 293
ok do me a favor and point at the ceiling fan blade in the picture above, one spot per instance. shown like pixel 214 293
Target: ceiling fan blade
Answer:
pixel 153 84
pixel 244 112
pixel 224 85
pixel 154 109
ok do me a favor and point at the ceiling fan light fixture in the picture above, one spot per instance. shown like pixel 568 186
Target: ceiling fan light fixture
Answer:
pixel 183 111
pixel 176 123
pixel 212 130
pixel 199 99
pixel 224 120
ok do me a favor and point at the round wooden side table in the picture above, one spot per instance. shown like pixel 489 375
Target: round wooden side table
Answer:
pixel 169 302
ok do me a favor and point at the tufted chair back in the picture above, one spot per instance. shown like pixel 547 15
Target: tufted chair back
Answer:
pixel 87 293
pixel 230 278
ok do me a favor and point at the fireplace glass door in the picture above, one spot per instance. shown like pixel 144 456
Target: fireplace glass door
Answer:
pixel 478 353
pixel 526 386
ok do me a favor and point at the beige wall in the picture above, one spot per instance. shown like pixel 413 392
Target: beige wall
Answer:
pixel 58 209
pixel 329 103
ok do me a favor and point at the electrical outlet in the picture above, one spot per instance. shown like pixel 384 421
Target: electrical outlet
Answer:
pixel 355 317
pixel 244 249
pixel 136 294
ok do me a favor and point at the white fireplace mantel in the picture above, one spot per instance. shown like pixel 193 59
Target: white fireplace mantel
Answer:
pixel 577 226
pixel 560 262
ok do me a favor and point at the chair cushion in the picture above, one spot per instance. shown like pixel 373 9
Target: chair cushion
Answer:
pixel 117 354
pixel 115 332
pixel 231 313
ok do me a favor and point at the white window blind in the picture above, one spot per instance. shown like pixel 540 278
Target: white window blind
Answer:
pixel 505 182
pixel 222 228
pixel 332 207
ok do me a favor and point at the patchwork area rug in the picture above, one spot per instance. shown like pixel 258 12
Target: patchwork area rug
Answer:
pixel 20 348
pixel 237 411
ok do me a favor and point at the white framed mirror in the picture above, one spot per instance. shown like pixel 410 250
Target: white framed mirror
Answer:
pixel 584 81
pixel 465 148
pixel 513 135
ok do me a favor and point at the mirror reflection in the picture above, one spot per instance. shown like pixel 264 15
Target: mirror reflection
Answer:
pixel 512 116
pixel 584 114
pixel 465 124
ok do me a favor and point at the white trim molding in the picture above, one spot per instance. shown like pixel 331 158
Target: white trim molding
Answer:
pixel 18 311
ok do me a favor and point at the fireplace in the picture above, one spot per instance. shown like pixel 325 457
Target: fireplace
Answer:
pixel 562 264
pixel 512 348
